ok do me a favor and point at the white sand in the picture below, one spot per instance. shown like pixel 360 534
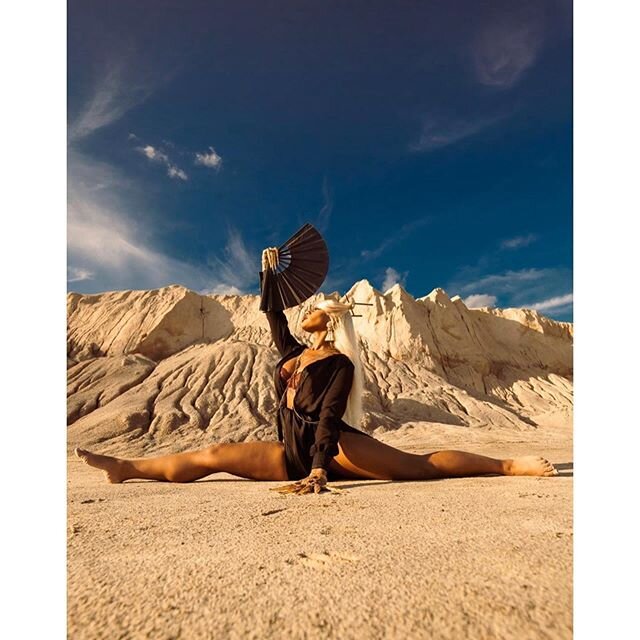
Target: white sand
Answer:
pixel 224 557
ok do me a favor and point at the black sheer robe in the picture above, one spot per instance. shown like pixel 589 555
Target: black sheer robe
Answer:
pixel 310 433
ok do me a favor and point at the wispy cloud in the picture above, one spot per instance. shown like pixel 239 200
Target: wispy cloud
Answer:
pixel 109 230
pixel 209 159
pixel 394 238
pixel 175 172
pixel 238 267
pixel 342 272
pixel 440 131
pixel 519 241
pixel 392 277
pixel 223 290
pixel 120 254
pixel 322 221
pixel 78 274
pixel 556 302
pixel 480 300
pixel 515 288
pixel 502 51
pixel 120 87
pixel 159 156
pixel 506 282
pixel 104 237
pixel 117 247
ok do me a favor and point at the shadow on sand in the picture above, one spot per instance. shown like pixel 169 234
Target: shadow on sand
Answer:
pixel 565 469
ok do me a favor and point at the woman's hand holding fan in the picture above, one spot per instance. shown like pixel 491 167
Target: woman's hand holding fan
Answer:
pixel 293 272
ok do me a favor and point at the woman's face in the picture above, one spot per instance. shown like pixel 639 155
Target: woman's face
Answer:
pixel 314 320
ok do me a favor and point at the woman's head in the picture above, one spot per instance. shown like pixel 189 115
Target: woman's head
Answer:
pixel 314 319
pixel 326 313
pixel 336 314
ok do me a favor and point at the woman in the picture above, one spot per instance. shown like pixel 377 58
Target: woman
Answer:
pixel 320 391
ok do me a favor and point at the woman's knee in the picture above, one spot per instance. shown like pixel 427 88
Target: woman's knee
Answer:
pixel 213 451
pixel 192 465
pixel 178 474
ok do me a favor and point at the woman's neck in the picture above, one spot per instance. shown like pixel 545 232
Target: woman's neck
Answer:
pixel 323 346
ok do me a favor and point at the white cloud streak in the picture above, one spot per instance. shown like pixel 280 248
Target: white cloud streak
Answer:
pixel 394 238
pixel 504 282
pixel 104 237
pixel 114 246
pixel 552 303
pixel 101 234
pixel 480 300
pixel 519 241
pixel 324 214
pixel 516 288
pixel 503 51
pixel 116 93
pixel 238 267
pixel 78 274
pixel 439 132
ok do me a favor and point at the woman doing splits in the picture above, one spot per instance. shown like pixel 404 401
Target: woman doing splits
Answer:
pixel 320 390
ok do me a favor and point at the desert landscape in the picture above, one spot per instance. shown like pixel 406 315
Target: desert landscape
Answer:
pixel 169 369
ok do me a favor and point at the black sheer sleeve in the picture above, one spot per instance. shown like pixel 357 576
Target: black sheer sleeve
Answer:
pixel 282 337
pixel 332 409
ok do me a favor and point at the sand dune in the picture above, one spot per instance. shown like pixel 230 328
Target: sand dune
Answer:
pixel 169 369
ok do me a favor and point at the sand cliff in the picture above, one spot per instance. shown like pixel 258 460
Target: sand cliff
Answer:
pixel 169 369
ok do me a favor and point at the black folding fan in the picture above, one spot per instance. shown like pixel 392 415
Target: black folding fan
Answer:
pixel 303 263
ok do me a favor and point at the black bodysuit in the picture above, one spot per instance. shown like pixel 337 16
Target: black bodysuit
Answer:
pixel 310 433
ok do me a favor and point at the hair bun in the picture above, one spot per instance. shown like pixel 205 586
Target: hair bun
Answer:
pixel 329 305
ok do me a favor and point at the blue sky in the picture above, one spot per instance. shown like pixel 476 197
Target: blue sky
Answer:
pixel 430 143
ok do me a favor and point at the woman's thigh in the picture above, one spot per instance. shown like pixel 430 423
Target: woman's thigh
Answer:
pixel 256 460
pixel 361 456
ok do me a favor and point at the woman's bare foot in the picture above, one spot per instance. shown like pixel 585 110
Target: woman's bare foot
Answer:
pixel 111 467
pixel 530 466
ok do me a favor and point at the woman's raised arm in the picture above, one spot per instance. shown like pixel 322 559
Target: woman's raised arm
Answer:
pixel 280 332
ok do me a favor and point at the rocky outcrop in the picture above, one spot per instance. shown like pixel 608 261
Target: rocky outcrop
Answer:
pixel 170 369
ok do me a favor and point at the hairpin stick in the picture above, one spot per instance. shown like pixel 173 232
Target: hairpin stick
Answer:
pixel 353 303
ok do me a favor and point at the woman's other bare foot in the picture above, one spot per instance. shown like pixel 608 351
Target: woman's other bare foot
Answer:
pixel 529 466
pixel 111 467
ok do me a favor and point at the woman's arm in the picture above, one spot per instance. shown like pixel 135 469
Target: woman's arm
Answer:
pixel 282 337
pixel 332 409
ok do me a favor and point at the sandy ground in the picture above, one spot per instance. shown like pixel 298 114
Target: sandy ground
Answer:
pixel 224 557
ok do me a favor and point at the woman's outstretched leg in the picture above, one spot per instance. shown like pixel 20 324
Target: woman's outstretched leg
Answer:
pixel 255 460
pixel 363 457
pixel 451 464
